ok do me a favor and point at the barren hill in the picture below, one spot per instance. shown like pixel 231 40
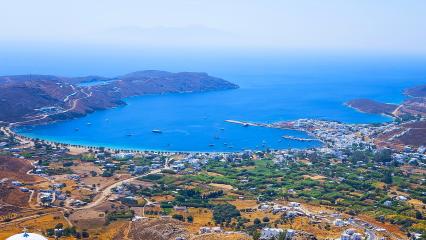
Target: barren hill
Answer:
pixel 30 99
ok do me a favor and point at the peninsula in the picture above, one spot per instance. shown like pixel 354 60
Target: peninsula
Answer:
pixel 35 99
pixel 414 104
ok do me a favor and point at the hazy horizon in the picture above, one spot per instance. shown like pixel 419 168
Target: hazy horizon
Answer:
pixel 379 27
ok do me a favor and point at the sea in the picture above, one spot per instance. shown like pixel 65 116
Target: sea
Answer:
pixel 273 87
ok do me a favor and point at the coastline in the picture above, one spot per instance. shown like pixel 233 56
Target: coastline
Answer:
pixel 391 116
pixel 82 148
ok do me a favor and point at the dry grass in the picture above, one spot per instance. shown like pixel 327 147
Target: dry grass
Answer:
pixel 103 182
pixel 112 231
pixel 244 204
pixel 222 236
pixel 36 225
pixel 418 205
pixel 202 217
pixel 16 169
pixel 222 186
pixel 213 174
pixel 88 219
pixel 162 198
pixel 315 177
pixel 303 224
pixel 389 227
pixel 82 168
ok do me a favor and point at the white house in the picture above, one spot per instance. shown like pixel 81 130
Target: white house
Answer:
pixel 270 233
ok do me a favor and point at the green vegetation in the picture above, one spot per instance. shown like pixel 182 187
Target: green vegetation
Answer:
pixel 225 213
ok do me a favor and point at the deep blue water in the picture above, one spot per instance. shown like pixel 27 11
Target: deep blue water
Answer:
pixel 272 89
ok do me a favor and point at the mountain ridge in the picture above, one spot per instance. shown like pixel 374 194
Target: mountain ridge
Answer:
pixel 33 99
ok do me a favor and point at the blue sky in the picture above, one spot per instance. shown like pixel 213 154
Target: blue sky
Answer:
pixel 350 25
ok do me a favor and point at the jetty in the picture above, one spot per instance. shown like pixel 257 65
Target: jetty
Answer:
pixel 246 124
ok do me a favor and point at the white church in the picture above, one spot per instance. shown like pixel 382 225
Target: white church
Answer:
pixel 26 236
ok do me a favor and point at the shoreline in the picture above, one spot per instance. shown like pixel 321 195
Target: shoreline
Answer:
pixel 391 116
pixel 82 148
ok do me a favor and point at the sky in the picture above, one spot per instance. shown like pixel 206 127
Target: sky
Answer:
pixel 392 26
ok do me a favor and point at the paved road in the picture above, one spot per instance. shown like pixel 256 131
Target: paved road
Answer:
pixel 371 235
pixel 108 190
pixel 74 104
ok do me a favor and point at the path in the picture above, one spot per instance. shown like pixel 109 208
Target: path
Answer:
pixel 74 104
pixel 108 190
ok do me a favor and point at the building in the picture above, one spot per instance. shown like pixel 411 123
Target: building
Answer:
pixel 270 233
pixel 204 230
pixel 26 236
pixel 351 234
pixel 387 203
pixel 339 222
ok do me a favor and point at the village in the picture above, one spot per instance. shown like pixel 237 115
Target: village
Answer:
pixel 104 187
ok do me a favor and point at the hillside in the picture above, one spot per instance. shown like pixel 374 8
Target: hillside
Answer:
pixel 30 99
pixel 371 106
pixel 418 91
pixel 413 105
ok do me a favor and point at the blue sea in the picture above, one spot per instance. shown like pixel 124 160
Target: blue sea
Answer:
pixel 273 87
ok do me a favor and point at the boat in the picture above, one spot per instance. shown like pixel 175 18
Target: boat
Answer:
pixel 156 131
pixel 89 123
pixel 211 145
pixel 76 129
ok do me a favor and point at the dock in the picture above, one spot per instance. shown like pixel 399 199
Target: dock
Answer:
pixel 246 124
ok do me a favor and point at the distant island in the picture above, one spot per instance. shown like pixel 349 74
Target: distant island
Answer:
pixel 34 99
pixel 415 104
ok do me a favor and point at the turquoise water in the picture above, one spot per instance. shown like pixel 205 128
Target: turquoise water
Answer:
pixel 271 89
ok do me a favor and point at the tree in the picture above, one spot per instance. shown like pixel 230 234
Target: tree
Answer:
pixel 85 234
pixel 383 156
pixel 419 215
pixel 256 221
pixel 265 219
pixel 178 217
pixel 282 236
pixel 224 213
pixel 387 177
pixel 256 235
pixel 358 156
pixel 59 226
pixel 190 219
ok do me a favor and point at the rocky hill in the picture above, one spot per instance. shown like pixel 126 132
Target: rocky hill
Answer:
pixel 418 91
pixel 413 105
pixel 371 106
pixel 30 99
